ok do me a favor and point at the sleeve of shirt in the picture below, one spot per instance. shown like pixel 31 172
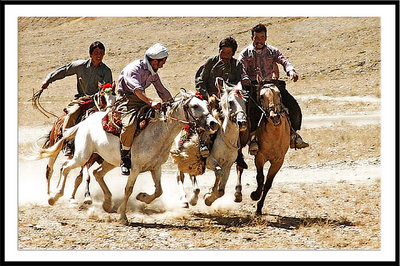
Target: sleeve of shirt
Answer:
pixel 133 80
pixel 243 59
pixel 203 75
pixel 279 58
pixel 164 94
pixel 67 70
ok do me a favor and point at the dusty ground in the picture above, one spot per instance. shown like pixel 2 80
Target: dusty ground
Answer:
pixel 326 197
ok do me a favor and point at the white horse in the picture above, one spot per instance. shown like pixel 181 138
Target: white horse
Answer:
pixel 224 150
pixel 150 149
pixel 103 100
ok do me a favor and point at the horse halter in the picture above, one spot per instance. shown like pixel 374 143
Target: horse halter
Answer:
pixel 233 117
pixel 188 114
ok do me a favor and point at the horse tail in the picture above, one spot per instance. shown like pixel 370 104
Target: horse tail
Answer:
pixel 56 148
pixel 46 138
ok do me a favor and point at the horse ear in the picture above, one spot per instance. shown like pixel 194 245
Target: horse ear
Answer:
pixel 113 86
pixel 259 78
pixel 219 84
pixel 184 93
pixel 99 85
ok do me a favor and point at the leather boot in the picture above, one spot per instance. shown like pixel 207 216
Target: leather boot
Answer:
pixel 125 161
pixel 69 148
pixel 204 151
pixel 296 142
pixel 240 160
pixel 253 147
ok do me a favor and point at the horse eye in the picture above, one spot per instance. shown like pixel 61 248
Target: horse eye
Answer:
pixel 196 106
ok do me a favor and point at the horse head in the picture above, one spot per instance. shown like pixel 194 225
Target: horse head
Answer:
pixel 196 111
pixel 233 104
pixel 106 96
pixel 270 98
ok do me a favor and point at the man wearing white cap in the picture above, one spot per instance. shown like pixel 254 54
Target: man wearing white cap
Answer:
pixel 132 82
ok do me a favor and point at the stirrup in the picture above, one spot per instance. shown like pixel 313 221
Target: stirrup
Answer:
pixel 204 151
pixel 296 142
pixel 253 147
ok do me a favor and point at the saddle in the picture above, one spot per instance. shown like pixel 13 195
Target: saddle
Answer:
pixel 112 120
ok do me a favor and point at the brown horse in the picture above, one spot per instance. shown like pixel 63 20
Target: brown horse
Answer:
pixel 273 136
pixel 103 99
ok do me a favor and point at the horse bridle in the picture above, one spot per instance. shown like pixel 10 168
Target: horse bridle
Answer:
pixel 233 117
pixel 188 115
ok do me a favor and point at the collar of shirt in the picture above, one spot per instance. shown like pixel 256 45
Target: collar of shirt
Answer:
pixel 149 67
pixel 89 63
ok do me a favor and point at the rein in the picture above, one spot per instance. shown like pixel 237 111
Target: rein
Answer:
pixel 187 112
pixel 36 104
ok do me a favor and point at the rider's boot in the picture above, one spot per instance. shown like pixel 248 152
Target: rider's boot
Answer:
pixel 125 161
pixel 253 146
pixel 204 151
pixel 69 148
pixel 240 160
pixel 296 142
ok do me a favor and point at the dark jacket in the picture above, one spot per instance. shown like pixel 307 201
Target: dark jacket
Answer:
pixel 213 68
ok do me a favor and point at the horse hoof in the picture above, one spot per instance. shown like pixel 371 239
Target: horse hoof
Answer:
pixel 88 201
pixel 123 220
pixel 193 201
pixel 238 197
pixel 107 207
pixel 255 196
pixel 185 205
pixel 51 200
pixel 207 200
pixel 73 202
pixel 258 212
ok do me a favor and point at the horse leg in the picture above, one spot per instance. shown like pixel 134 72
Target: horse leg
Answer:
pixel 49 172
pixel 128 191
pixel 180 177
pixel 272 171
pixel 259 162
pixel 144 197
pixel 94 158
pixel 99 174
pixel 78 181
pixel 238 187
pixel 196 190
pixel 67 167
pixel 210 197
pixel 88 198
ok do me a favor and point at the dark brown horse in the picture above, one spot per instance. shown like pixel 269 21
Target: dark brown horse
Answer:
pixel 273 136
pixel 103 99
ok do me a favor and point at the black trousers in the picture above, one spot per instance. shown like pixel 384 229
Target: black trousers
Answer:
pixel 254 113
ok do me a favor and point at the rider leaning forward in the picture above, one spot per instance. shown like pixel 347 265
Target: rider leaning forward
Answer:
pixel 260 58
pixel 132 82
pixel 88 74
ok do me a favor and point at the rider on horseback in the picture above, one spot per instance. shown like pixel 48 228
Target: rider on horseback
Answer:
pixel 88 73
pixel 261 59
pixel 132 82
pixel 222 66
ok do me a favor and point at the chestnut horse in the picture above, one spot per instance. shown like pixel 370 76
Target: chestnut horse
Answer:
pixel 273 136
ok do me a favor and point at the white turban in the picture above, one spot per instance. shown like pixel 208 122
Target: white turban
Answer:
pixel 157 51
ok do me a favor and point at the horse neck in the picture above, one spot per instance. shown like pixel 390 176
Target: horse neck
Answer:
pixel 170 128
pixel 229 132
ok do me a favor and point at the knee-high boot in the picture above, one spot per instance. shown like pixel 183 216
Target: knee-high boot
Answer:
pixel 125 161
